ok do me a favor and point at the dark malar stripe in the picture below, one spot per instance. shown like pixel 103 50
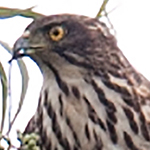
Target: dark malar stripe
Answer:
pixel 63 86
pixel 75 62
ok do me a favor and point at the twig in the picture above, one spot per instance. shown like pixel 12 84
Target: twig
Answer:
pixel 99 14
pixel 111 25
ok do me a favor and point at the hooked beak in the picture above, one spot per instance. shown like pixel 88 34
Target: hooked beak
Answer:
pixel 20 48
pixel 23 47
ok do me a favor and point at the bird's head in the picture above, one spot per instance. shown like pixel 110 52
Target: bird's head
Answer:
pixel 66 39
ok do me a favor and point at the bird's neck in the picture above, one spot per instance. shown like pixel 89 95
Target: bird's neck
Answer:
pixel 83 105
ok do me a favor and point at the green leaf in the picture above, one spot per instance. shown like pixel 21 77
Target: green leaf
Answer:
pixel 6 46
pixel 4 95
pixel 25 79
pixel 11 12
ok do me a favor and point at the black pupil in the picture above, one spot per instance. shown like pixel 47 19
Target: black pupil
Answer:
pixel 56 32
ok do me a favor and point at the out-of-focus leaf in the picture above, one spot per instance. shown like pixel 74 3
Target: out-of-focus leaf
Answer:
pixel 11 12
pixel 6 46
pixel 4 94
pixel 25 79
pixel 102 8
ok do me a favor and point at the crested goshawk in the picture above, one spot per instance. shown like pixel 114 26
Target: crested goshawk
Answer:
pixel 92 98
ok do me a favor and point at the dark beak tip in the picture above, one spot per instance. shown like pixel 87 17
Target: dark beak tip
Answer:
pixel 10 60
pixel 20 44
pixel 16 54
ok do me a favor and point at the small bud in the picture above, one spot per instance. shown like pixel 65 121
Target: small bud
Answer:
pixel 32 143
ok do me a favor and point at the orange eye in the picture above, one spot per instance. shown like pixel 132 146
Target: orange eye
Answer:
pixel 56 33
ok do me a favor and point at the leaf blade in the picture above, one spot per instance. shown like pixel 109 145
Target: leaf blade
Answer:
pixel 4 95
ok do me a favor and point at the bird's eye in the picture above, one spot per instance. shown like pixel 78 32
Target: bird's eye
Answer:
pixel 56 33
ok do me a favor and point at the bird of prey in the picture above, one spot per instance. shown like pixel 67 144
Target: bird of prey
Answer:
pixel 92 98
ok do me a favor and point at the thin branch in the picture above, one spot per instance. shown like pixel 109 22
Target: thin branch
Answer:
pixel 111 25
pixel 102 8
